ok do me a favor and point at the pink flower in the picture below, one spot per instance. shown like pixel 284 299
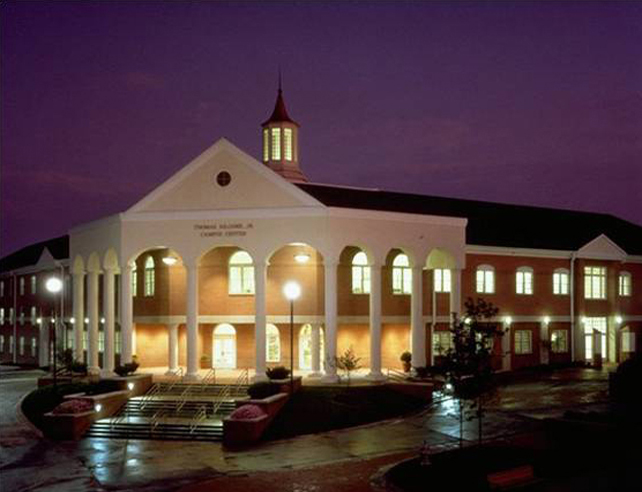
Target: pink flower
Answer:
pixel 247 412
pixel 77 405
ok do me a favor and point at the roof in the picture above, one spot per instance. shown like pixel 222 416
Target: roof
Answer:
pixel 29 255
pixel 493 224
pixel 280 113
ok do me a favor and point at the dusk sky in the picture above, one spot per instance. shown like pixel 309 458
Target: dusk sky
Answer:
pixel 529 103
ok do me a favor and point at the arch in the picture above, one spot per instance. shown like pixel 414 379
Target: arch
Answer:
pixel 305 347
pixel 110 261
pixel 171 251
pixel 524 280
pixel 272 343
pixel 224 346
pixel 79 265
pixel 441 258
pixel 240 273
pixel 273 249
pixel 360 273
pixel 93 263
pixel 401 274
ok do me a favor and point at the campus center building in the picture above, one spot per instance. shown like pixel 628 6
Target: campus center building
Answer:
pixel 193 274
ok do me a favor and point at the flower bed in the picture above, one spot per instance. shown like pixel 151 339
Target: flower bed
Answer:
pixel 250 420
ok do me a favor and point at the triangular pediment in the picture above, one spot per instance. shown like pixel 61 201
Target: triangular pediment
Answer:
pixel 251 185
pixel 601 248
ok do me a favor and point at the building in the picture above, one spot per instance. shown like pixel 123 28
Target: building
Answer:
pixel 192 275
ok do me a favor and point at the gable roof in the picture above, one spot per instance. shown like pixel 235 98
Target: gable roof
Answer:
pixel 30 255
pixel 493 224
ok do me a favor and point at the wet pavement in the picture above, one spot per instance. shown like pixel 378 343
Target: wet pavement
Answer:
pixel 35 464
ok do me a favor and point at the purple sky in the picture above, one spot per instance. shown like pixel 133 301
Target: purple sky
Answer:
pixel 523 103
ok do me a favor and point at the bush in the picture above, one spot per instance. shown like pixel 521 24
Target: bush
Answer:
pixel 77 405
pixel 263 389
pixel 279 372
pixel 406 357
pixel 247 412
pixel 423 372
pixel 126 369
pixel 78 367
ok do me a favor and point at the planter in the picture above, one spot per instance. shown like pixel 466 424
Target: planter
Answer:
pixel 285 384
pixel 141 382
pixel 243 432
pixel 406 366
pixel 418 390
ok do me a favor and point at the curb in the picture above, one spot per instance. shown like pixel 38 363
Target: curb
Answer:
pixel 22 418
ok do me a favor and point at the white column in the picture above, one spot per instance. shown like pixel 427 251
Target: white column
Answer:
pixel 330 322
pixel 92 308
pixel 455 291
pixel 172 349
pixel 109 310
pixel 126 314
pixel 260 318
pixel 506 352
pixel 79 314
pixel 544 356
pixel 316 351
pixel 43 343
pixel 192 321
pixel 375 323
pixel 417 328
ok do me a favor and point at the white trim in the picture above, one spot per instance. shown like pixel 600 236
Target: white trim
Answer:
pixel 616 252
pixel 525 252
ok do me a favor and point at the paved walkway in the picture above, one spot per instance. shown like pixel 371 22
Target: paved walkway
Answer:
pixel 100 464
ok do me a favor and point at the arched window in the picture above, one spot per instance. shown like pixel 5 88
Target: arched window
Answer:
pixel 442 279
pixel 22 286
pixel 485 279
pixel 360 274
pixel 401 275
pixel 624 284
pixel 560 282
pixel 241 274
pixel 134 281
pixel 150 277
pixel 272 344
pixel 524 281
pixel 305 347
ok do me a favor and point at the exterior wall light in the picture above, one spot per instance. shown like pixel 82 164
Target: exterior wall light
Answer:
pixel 547 320
pixel 102 321
pixel 170 260
pixel 39 321
pixel 618 320
pixel 467 321
pixel 72 320
pixel 302 257
pixel 508 320
pixel 98 407
pixel 130 386
pixel 86 321
pixel 54 285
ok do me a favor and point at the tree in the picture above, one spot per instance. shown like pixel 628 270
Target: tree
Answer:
pixel 468 363
pixel 348 362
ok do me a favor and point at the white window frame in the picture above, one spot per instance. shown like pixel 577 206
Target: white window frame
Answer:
pixel 34 284
pixel 360 274
pixel 595 282
pixel 34 315
pixel 624 284
pixel 401 275
pixel 524 281
pixel 266 145
pixel 561 282
pixel 33 346
pixel 11 315
pixel 101 341
pixel 11 344
pixel 628 342
pixel 1 343
pixel 287 144
pixel 272 343
pixel 485 279
pixel 442 341
pixel 442 279
pixel 150 277
pixel 559 341
pixel 275 141
pixel 1 316
pixel 21 346
pixel 22 317
pixel 240 278
pixel 523 342
pixel 117 341
pixel 22 286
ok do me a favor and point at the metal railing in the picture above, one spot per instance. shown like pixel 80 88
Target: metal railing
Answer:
pixel 178 378
pixel 149 396
pixel 209 379
pixel 396 375
pixel 198 418
pixel 183 399
pixel 157 418
pixel 226 391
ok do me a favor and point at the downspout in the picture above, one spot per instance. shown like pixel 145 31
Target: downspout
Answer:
pixel 572 292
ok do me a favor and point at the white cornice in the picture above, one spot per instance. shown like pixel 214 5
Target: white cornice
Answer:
pixel 527 252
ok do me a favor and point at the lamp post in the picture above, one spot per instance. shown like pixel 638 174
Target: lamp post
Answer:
pixel 54 285
pixel 292 291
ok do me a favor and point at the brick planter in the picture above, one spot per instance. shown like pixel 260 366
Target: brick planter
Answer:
pixel 243 432
pixel 285 384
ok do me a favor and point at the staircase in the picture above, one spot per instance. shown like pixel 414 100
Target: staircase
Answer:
pixel 174 411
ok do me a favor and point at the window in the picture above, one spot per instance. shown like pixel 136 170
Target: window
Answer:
pixel 442 280
pixel 241 274
pixel 401 275
pixel 34 316
pixel 22 286
pixel 276 144
pixel 101 341
pixel 85 340
pixel 560 282
pixel 1 316
pixel 590 326
pixel 628 341
pixel 134 280
pixel 34 283
pixel 1 343
pixel 11 344
pixel 442 341
pixel 360 274
pixel 2 289
pixel 485 279
pixel 266 145
pixel 33 346
pixel 624 284
pixel 523 342
pixel 117 341
pixel 150 277
pixel 559 341
pixel 524 281
pixel 287 144
pixel 70 338
pixel 272 344
pixel 22 317
pixel 594 282
pixel 22 346
pixel 11 315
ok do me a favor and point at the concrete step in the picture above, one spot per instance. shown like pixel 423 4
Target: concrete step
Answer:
pixel 173 430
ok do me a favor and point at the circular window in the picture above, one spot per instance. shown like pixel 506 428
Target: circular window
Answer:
pixel 223 178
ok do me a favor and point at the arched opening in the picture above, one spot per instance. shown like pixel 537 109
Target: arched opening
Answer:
pixel 305 348
pixel 272 344
pixel 224 347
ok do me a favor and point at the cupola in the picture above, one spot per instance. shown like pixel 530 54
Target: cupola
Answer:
pixel 281 142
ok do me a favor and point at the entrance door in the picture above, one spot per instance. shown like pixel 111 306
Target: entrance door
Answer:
pixel 591 324
pixel 224 347
pixel 305 348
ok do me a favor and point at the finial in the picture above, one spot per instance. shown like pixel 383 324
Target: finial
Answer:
pixel 279 78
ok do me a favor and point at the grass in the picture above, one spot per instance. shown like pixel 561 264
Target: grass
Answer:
pixel 45 399
pixel 318 409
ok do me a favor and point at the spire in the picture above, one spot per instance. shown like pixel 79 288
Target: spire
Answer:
pixel 280 113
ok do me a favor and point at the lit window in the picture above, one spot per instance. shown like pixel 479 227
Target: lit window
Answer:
pixel 1 343
pixel 22 317
pixel 523 342
pixel 134 280
pixel 70 339
pixel 272 344
pixel 33 346
pixel 117 342
pixel 287 143
pixel 22 286
pixel 442 280
pixel 276 144
pixel 22 346
pixel 559 341
pixel 360 274
pixel 1 316
pixel 33 315
pixel 485 279
pixel 401 275
pixel 442 341
pixel 11 344
pixel 628 341
pixel 101 341
pixel 150 277
pixel 524 281
pixel 560 282
pixel 11 315
pixel 33 284
pixel 85 339
pixel 624 288
pixel 594 282
pixel 2 289
pixel 591 325
pixel 266 145
pixel 241 274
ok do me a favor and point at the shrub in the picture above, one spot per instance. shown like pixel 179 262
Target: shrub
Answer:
pixel 279 372
pixel 126 369
pixel 77 405
pixel 78 367
pixel 348 362
pixel 406 357
pixel 247 412
pixel 263 389
pixel 422 372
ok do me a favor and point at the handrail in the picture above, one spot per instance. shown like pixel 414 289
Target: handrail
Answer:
pixel 183 399
pixel 178 377
pixel 198 418
pixel 156 419
pixel 396 375
pixel 210 378
pixel 149 396
pixel 226 390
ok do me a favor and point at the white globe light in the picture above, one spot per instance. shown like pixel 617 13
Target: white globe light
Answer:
pixel 292 291
pixel 54 284
pixel 170 260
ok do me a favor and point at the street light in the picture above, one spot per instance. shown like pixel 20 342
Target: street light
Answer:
pixel 54 285
pixel 292 291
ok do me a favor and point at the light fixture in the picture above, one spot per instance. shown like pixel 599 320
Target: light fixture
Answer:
pixel 130 386
pixel 292 291
pixel 584 320
pixel 618 320
pixel 449 387
pixel 39 321
pixel 547 320
pixel 302 257
pixel 508 320
pixel 87 320
pixel 98 407
pixel 170 260
pixel 467 321
pixel 72 320
pixel 102 321
pixel 54 284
